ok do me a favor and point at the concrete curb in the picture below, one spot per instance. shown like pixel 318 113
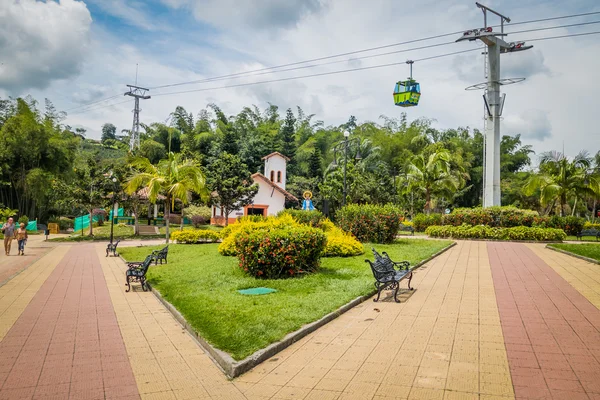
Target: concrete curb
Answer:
pixel 233 368
pixel 584 258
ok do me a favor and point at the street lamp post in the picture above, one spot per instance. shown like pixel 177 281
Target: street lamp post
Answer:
pixel 112 219
pixel 114 198
pixel 345 143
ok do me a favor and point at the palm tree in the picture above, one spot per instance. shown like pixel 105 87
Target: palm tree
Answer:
pixel 173 177
pixel 435 176
pixel 561 179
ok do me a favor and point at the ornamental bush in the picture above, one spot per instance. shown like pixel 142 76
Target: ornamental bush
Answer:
pixel 422 221
pixel 571 225
pixel 190 236
pixel 505 217
pixel 199 215
pixel 339 243
pixel 591 225
pixel 280 252
pixel 371 223
pixel 311 218
pixel 486 232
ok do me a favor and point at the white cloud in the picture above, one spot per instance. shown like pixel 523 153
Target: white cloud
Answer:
pixel 41 42
pixel 531 124
pixel 556 102
pixel 261 14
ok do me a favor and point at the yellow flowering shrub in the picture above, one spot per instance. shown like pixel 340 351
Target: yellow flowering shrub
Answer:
pixel 339 243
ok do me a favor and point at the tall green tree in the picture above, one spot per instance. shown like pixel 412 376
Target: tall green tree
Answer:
pixel 231 183
pixel 109 132
pixel 434 175
pixel 287 136
pixel 174 178
pixel 560 179
pixel 315 169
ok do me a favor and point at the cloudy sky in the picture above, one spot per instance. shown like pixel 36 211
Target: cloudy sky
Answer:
pixel 77 52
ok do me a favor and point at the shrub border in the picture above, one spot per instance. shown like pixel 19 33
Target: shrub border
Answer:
pixel 233 368
pixel 584 258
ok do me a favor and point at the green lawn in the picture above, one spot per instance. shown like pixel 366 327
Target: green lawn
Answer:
pixel 583 239
pixel 104 231
pixel 175 227
pixel 203 286
pixel 587 250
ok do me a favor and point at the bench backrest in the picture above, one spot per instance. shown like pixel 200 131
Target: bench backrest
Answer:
pixel 382 271
pixel 146 264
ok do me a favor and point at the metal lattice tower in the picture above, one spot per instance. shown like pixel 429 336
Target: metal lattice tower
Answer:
pixel 494 102
pixel 137 93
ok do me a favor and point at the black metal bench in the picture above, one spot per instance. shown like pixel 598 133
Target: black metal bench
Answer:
pixel 161 255
pixel 407 228
pixel 589 232
pixel 136 272
pixel 387 277
pixel 112 247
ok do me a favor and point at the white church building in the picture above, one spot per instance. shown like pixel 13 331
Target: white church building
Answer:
pixel 271 195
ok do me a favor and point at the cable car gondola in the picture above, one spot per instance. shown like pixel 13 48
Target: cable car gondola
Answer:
pixel 407 93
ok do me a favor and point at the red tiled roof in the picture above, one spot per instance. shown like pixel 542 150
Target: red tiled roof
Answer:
pixel 276 187
pixel 276 154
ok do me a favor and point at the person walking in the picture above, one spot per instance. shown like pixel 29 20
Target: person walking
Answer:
pixel 22 238
pixel 8 229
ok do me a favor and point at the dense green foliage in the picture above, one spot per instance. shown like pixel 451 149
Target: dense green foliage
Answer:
pixel 422 221
pixel 190 236
pixel 561 179
pixel 206 292
pixel 279 253
pixel 312 218
pixel 371 223
pixel 231 183
pixel 199 215
pixel 48 169
pixel 505 217
pixel 486 232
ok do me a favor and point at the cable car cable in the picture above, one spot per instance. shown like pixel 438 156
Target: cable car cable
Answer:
pixel 333 72
pixel 251 73
pixel 392 52
pixel 358 51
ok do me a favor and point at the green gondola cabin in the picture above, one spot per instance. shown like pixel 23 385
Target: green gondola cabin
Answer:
pixel 407 93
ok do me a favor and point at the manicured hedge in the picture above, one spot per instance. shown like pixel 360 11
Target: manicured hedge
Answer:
pixel 571 225
pixel 190 236
pixel 282 252
pixel 486 232
pixel 371 223
pixel 505 217
pixel 422 221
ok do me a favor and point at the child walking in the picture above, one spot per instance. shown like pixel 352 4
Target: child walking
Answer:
pixel 22 238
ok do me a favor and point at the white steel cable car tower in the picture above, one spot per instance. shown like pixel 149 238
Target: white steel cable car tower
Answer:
pixel 492 99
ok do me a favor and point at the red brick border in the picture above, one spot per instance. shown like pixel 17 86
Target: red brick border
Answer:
pixel 67 342
pixel 551 331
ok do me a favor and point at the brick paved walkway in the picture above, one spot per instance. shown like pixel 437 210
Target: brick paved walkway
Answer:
pixel 68 330
pixel 13 264
pixel 550 329
pixel 67 344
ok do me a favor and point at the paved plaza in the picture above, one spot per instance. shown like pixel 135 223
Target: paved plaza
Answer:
pixel 488 320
